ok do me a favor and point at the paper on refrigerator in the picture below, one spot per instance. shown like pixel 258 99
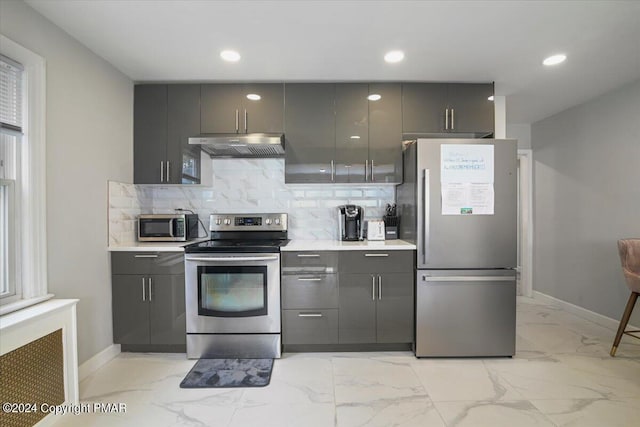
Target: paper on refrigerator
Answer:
pixel 467 177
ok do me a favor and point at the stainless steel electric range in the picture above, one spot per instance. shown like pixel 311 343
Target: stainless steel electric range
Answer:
pixel 233 287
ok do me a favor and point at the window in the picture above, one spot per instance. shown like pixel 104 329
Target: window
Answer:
pixel 11 106
pixel 23 245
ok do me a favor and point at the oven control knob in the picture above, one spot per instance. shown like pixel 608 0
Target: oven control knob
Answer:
pixel 267 221
pixel 218 221
pixel 276 221
pixel 227 221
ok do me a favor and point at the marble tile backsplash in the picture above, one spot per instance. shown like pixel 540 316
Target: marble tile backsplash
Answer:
pixel 247 186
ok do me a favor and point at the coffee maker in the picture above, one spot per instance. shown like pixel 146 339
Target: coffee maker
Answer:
pixel 350 222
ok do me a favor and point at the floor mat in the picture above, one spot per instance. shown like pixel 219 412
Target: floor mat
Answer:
pixel 225 373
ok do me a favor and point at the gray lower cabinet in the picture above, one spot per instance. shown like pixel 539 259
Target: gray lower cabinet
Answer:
pixel 357 319
pixel 309 298
pixel 376 303
pixel 148 301
pixel 130 309
pixel 351 298
pixel 310 326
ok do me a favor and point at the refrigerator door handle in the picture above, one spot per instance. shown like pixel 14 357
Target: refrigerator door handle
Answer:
pixel 426 214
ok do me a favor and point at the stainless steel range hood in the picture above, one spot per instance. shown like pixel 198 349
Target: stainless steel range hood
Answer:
pixel 241 145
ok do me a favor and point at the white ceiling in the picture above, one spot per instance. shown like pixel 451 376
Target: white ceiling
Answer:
pixel 462 41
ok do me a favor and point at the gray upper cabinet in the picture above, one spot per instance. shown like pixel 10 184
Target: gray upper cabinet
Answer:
pixel 423 107
pixel 226 108
pixel 183 122
pixel 149 133
pixel 309 133
pixel 336 134
pixel 470 109
pixel 165 116
pixel 385 133
pixel 352 132
pixel 447 107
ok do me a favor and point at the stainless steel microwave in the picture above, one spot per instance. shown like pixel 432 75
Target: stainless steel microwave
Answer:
pixel 167 227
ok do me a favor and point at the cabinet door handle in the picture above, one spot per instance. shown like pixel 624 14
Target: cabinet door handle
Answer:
pixel 309 279
pixel 246 116
pixel 237 121
pixel 168 171
pixel 308 255
pixel 379 287
pixel 453 119
pixel 161 171
pixel 144 290
pixel 373 179
pixel 149 288
pixel 309 314
pixel 376 255
pixel 373 287
pixel 146 256
pixel 333 170
pixel 366 170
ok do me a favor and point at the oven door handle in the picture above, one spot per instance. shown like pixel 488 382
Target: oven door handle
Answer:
pixel 233 258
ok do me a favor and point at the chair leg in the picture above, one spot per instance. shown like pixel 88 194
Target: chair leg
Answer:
pixel 623 322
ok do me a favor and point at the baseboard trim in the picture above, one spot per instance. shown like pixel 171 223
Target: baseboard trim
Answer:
pixel 94 363
pixel 598 318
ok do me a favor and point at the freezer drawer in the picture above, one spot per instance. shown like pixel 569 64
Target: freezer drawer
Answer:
pixel 465 313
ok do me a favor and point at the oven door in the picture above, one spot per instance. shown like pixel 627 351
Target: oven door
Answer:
pixel 232 293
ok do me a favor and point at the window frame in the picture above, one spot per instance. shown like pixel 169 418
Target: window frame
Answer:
pixel 30 192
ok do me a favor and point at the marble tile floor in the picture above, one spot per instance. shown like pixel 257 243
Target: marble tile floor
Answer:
pixel 562 375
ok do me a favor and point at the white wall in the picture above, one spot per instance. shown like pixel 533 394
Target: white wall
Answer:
pixel 89 139
pixel 586 197
pixel 521 132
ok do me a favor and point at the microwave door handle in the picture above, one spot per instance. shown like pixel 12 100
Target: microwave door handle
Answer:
pixel 172 224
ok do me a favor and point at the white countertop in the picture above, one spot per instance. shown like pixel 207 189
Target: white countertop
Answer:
pixel 294 245
pixel 153 246
pixel 337 245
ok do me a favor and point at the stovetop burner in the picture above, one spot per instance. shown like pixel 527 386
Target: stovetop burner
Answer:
pixel 244 233
pixel 237 245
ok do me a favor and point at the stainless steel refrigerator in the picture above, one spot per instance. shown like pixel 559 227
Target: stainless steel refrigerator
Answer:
pixel 458 204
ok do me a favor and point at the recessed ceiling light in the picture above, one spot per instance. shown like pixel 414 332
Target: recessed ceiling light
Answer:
pixel 253 97
pixel 374 97
pixel 355 136
pixel 555 59
pixel 230 55
pixel 490 98
pixel 394 56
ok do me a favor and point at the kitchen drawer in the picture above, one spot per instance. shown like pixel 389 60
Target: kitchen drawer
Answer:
pixel 310 262
pixel 147 263
pixel 367 261
pixel 310 291
pixel 309 326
